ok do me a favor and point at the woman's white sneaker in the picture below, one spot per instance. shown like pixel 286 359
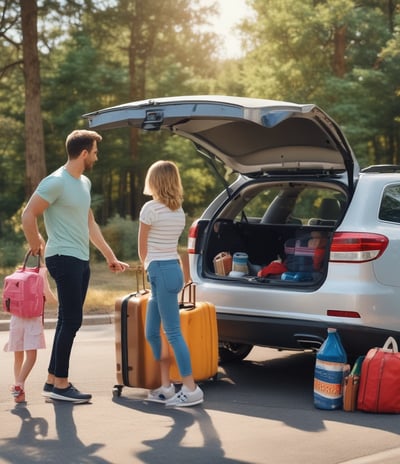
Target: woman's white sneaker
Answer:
pixel 161 394
pixel 184 398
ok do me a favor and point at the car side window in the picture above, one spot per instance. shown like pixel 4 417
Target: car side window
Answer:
pixel 390 204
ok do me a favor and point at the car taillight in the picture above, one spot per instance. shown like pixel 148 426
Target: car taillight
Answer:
pixel 357 247
pixel 192 238
pixel 341 313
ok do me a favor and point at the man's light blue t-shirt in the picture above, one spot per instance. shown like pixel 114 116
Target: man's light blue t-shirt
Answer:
pixel 66 218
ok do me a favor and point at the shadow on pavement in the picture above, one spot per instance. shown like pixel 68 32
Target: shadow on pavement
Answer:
pixel 169 447
pixel 30 445
pixel 281 389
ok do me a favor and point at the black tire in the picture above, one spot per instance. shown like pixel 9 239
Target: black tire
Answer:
pixel 232 352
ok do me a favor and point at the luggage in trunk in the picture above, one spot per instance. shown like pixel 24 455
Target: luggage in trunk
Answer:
pixel 304 256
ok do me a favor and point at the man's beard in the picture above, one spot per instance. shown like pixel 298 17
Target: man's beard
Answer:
pixel 89 165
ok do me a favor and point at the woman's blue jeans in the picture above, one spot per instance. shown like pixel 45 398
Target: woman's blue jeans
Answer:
pixel 72 279
pixel 166 280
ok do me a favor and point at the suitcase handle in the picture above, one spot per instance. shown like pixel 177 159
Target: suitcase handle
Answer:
pixel 191 302
pixel 27 256
pixel 140 286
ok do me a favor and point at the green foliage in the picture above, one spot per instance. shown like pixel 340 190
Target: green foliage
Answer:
pixel 12 241
pixel 342 55
pixel 121 234
pixel 81 81
pixel 12 252
pixel 12 169
pixel 200 184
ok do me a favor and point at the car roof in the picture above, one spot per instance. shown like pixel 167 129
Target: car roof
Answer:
pixel 249 135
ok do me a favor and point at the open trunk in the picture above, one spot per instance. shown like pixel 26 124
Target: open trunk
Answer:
pixel 277 254
pixel 281 230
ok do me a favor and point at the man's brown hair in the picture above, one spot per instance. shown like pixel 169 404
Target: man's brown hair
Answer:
pixel 79 140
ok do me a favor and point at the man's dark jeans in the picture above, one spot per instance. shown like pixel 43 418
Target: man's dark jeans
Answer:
pixel 72 279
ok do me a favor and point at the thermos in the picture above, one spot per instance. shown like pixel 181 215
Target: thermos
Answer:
pixel 329 373
pixel 240 262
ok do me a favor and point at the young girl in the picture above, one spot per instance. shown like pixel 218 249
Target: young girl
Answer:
pixel 161 223
pixel 26 336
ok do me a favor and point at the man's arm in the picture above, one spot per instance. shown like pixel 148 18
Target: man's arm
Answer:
pixel 96 237
pixel 35 208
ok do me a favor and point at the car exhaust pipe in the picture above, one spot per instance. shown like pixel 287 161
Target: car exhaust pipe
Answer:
pixel 309 341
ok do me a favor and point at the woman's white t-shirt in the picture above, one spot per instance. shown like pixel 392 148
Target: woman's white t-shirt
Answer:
pixel 166 228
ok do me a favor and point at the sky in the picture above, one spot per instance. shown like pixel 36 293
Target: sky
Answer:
pixel 231 12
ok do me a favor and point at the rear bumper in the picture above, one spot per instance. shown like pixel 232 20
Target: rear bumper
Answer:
pixel 292 334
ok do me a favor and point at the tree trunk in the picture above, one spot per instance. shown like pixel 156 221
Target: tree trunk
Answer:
pixel 339 62
pixel 34 137
pixel 137 70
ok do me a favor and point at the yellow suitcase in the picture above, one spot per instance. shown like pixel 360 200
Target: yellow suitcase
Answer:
pixel 135 363
pixel 199 328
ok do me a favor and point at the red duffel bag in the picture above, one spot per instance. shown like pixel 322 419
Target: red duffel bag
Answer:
pixel 380 379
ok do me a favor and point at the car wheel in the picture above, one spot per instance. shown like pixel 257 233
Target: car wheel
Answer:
pixel 230 352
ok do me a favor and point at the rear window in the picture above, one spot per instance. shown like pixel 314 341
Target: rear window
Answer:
pixel 295 204
pixel 390 205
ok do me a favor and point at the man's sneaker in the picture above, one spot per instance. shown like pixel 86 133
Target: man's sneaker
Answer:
pixel 47 389
pixel 184 398
pixel 70 394
pixel 18 393
pixel 161 394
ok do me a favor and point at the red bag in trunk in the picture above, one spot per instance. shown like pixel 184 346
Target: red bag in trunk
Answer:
pixel 380 380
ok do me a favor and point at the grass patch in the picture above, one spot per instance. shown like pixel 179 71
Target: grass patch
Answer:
pixel 105 287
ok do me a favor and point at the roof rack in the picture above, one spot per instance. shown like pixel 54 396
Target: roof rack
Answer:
pixel 382 168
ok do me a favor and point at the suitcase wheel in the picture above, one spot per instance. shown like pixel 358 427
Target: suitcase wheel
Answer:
pixel 116 391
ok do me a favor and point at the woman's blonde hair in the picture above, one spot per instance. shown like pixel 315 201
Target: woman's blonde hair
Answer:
pixel 163 183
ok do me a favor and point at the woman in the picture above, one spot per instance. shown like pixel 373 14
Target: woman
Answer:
pixel 161 223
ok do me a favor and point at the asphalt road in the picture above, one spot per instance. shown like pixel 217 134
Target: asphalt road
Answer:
pixel 260 411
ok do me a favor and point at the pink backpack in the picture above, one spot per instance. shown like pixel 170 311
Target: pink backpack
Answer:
pixel 23 291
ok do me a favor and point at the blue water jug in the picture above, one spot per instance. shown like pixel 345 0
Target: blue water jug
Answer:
pixel 329 372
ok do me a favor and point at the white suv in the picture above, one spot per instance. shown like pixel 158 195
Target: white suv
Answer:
pixel 320 240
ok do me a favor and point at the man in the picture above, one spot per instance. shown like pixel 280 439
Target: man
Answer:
pixel 64 199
